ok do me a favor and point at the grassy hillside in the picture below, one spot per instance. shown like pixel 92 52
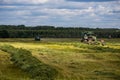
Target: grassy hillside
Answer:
pixel 72 59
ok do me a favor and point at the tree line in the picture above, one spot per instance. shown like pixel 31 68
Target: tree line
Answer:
pixel 22 31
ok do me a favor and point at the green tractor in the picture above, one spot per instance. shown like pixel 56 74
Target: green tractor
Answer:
pixel 89 37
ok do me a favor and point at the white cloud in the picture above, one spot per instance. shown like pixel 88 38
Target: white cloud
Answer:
pixel 8 7
pixel 61 11
pixel 25 1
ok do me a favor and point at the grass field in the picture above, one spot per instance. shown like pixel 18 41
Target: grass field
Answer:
pixel 72 59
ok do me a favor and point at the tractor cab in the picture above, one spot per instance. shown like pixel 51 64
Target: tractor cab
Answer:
pixel 37 38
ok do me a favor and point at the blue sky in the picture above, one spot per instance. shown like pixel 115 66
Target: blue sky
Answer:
pixel 76 13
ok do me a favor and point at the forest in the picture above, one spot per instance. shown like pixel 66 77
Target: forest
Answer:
pixel 22 31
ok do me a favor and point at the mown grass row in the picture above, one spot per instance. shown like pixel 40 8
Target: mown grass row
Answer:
pixel 24 60
pixel 96 48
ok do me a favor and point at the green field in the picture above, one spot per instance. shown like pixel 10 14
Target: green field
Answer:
pixel 72 59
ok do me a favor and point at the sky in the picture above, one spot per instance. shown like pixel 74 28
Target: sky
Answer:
pixel 61 13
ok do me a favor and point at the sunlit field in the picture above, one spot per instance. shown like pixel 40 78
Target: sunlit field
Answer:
pixel 72 59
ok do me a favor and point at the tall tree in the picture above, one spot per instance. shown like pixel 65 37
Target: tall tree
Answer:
pixel 4 34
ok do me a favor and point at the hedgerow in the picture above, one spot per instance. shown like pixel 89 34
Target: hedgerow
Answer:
pixel 25 61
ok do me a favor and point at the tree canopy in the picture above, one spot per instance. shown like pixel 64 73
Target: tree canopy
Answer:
pixel 22 31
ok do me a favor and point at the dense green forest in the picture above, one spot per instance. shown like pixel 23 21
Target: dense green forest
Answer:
pixel 22 31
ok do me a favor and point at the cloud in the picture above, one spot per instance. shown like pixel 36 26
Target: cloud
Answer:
pixel 91 0
pixel 60 12
pixel 24 1
pixel 115 11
